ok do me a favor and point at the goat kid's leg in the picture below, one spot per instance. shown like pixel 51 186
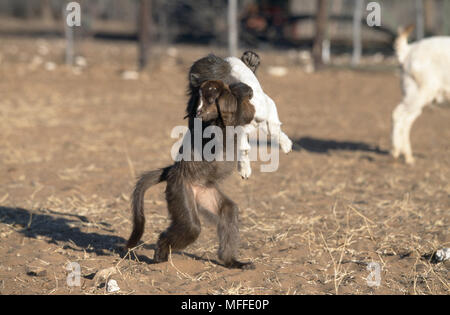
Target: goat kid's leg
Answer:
pixel 274 128
pixel 244 167
pixel 282 139
pixel 408 122
pixel 403 117
pixel 251 60
pixel 185 225
pixel 286 143
pixel 228 231
pixel 416 102
pixel 398 117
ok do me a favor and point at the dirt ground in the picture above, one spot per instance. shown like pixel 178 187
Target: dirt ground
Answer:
pixel 73 141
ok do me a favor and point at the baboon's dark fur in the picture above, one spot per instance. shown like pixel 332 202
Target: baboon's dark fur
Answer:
pixel 192 186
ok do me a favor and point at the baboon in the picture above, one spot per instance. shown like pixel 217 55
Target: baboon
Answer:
pixel 193 186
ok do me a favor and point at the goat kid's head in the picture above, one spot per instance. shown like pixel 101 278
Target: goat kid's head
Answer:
pixel 210 92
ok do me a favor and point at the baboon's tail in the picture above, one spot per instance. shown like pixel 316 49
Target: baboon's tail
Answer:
pixel 144 182
pixel 401 42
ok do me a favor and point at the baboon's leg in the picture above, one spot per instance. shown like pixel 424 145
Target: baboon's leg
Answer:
pixel 228 231
pixel 251 60
pixel 206 198
pixel 185 226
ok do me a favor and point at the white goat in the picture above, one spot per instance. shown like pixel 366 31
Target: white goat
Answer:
pixel 425 78
pixel 266 115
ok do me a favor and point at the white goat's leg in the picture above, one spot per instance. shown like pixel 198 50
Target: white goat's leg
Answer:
pixel 274 128
pixel 403 118
pixel 285 142
pixel 408 122
pixel 244 148
pixel 398 116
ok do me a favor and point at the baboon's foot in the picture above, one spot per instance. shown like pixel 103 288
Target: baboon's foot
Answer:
pixel 235 264
pixel 161 255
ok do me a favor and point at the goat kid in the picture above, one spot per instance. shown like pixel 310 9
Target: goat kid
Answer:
pixel 266 115
pixel 425 78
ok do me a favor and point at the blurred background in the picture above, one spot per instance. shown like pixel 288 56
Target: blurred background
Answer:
pixel 334 28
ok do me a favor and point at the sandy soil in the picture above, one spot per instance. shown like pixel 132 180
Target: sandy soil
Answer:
pixel 72 142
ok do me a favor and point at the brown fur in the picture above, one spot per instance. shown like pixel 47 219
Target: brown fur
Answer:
pixel 212 68
pixel 192 186
pixel 216 94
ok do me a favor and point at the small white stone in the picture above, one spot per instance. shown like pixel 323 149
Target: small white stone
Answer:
pixel 172 52
pixel 50 66
pixel 112 286
pixel 443 254
pixel 80 61
pixel 277 71
pixel 130 75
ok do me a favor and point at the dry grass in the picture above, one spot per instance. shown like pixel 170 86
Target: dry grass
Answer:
pixel 74 142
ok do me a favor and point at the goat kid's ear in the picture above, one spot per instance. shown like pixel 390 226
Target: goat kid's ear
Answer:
pixel 243 94
pixel 247 113
pixel 227 104
pixel 241 91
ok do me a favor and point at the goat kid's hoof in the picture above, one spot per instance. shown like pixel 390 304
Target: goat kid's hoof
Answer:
pixel 286 146
pixel 395 153
pixel 245 175
pixel 410 160
pixel 244 170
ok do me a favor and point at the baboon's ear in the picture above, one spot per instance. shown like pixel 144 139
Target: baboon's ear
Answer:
pixel 194 79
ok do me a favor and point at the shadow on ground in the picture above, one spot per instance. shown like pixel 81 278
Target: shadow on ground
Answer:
pixel 66 228
pixel 62 227
pixel 324 146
